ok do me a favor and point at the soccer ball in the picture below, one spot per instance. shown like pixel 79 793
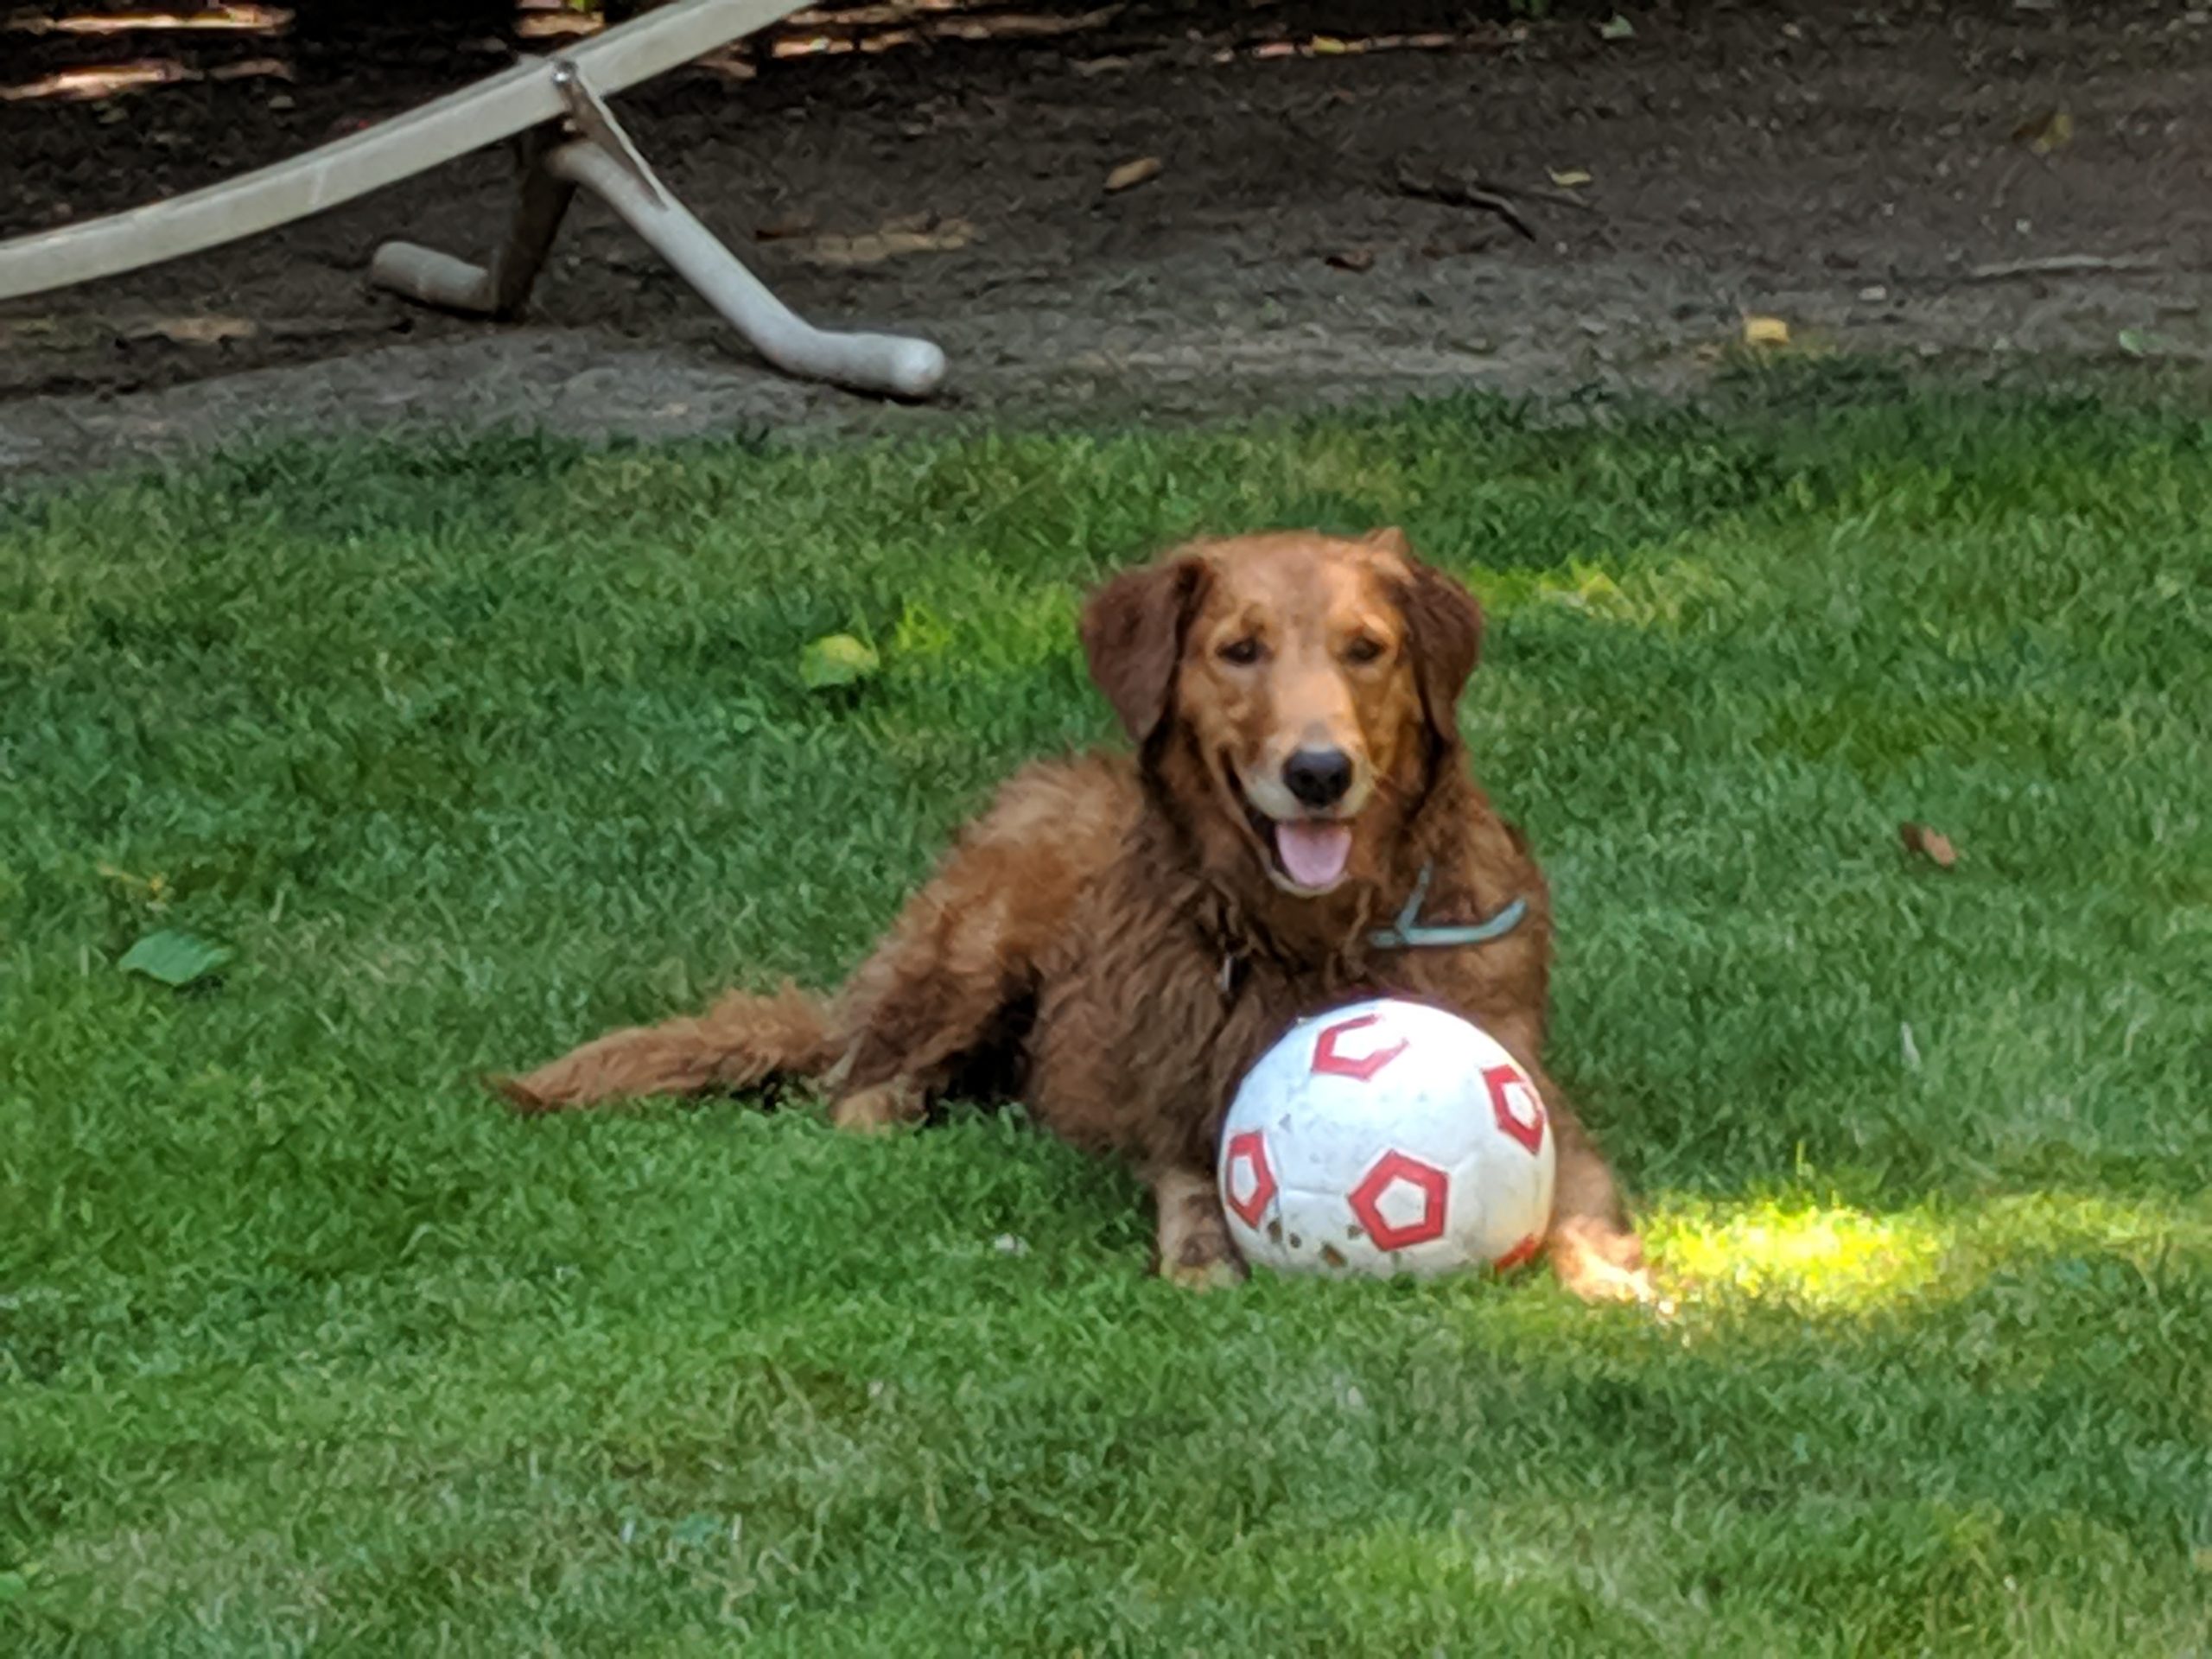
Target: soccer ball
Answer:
pixel 1386 1137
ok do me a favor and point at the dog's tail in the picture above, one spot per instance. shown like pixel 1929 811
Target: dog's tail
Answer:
pixel 742 1042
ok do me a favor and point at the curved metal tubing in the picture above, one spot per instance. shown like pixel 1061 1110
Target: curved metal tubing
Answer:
pixel 497 107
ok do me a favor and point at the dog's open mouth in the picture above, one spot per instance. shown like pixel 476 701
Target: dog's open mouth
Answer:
pixel 1308 856
pixel 1314 852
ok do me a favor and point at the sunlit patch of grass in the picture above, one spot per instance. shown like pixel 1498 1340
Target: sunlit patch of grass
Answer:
pixel 1580 584
pixel 1024 635
pixel 1795 1253
pixel 1659 593
pixel 1827 1258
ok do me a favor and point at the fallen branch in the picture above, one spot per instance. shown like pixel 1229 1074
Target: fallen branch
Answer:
pixel 2063 265
pixel 1542 192
pixel 1472 190
pixel 1461 193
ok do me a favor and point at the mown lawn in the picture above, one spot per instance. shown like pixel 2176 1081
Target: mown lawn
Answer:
pixel 472 748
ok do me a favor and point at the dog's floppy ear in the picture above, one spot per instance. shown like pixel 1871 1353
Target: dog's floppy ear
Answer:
pixel 1133 637
pixel 1444 627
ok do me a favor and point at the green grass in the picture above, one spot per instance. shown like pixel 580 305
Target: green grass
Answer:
pixel 472 749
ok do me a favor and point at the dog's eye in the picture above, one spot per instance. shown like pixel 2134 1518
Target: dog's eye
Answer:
pixel 1365 649
pixel 1244 652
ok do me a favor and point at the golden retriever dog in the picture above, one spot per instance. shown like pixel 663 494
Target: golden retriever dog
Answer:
pixel 1119 936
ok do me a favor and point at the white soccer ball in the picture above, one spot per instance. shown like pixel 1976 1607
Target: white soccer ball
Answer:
pixel 1386 1137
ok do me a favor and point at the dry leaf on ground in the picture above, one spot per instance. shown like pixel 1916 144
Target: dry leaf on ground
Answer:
pixel 897 237
pixel 1351 259
pixel 192 331
pixel 783 230
pixel 1765 331
pixel 1129 175
pixel 1937 848
pixel 2045 131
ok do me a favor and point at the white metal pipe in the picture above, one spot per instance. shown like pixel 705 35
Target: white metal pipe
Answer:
pixel 502 289
pixel 431 278
pixel 881 363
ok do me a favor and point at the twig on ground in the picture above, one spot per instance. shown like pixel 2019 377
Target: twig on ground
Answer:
pixel 1472 190
pixel 1544 193
pixel 2063 265
pixel 1460 192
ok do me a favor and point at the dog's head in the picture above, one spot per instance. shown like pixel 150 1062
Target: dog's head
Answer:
pixel 1295 692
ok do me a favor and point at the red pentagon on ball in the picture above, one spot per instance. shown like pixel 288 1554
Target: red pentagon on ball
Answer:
pixel 1513 1098
pixel 1250 1150
pixel 1390 1169
pixel 1330 1061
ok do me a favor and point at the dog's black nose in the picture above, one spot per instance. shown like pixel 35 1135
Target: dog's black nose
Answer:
pixel 1317 776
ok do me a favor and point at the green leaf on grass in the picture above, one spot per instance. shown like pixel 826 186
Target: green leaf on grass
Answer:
pixel 15 1585
pixel 1616 28
pixel 835 659
pixel 176 958
pixel 2143 342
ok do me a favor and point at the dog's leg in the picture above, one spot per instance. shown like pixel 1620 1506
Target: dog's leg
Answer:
pixel 932 995
pixel 1594 1251
pixel 940 990
pixel 883 1106
pixel 742 1042
pixel 935 993
pixel 1194 1250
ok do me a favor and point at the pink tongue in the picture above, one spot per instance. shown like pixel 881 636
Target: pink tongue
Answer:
pixel 1314 854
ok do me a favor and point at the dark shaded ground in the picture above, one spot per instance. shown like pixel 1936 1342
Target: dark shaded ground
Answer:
pixel 1858 171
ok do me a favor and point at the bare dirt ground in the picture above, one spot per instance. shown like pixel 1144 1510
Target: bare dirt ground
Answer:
pixel 1987 181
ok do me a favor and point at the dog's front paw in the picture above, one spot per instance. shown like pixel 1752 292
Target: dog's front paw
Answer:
pixel 886 1106
pixel 1202 1257
pixel 1215 1272
pixel 1192 1248
pixel 1605 1264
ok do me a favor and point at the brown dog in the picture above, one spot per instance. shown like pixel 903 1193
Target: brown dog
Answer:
pixel 1121 937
